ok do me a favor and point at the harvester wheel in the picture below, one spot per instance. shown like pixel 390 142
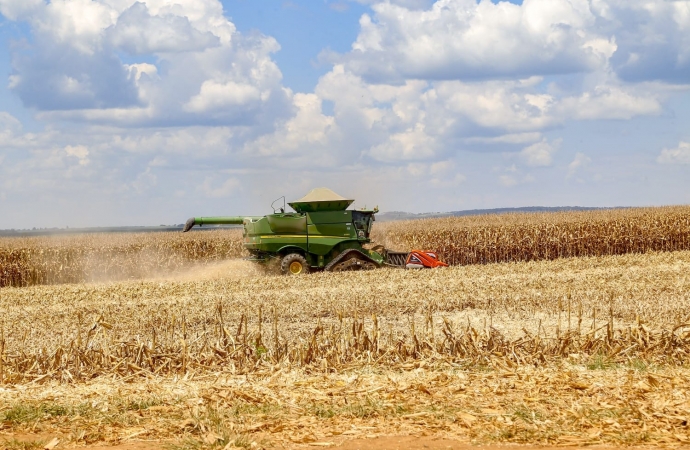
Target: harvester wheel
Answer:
pixel 294 264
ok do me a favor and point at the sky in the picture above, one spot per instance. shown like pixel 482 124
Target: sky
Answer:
pixel 123 112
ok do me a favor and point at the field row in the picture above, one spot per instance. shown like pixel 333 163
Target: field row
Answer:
pixel 459 241
pixel 543 236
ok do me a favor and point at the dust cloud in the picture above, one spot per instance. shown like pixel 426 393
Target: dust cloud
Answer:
pixel 155 265
pixel 230 269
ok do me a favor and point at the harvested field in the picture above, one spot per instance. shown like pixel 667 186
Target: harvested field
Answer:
pixel 569 352
pixel 459 241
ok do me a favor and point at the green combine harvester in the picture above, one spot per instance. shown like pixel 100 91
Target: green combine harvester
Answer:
pixel 322 234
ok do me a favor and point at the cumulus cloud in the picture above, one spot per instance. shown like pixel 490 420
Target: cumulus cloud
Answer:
pixel 541 153
pixel 57 77
pixel 579 162
pixel 9 127
pixel 392 123
pixel 215 95
pixel 465 39
pixel 677 155
pixel 481 85
pixel 212 188
pixel 190 55
pixel 138 32
pixel 514 177
pixel 510 138
pixel 305 135
pixel 442 174
pixel 18 9
pixel 653 39
pixel 80 152
pixel 411 144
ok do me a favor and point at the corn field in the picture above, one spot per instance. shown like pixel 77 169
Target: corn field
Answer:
pixel 459 241
pixel 542 236
pixel 110 257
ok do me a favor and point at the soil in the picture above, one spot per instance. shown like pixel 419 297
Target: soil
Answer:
pixel 434 443
pixel 378 443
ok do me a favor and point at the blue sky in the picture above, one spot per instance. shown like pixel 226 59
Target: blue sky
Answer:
pixel 118 112
pixel 304 29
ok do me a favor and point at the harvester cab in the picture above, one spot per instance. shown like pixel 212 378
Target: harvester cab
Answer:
pixel 322 234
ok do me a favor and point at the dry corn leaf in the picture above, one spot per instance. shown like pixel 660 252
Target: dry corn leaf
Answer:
pixel 467 419
pixel 51 444
pixel 643 386
pixel 211 438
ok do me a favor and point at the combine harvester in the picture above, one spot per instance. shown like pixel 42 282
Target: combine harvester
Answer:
pixel 322 234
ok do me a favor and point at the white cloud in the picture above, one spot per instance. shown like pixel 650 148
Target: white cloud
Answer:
pixel 80 152
pixel 215 95
pixel 424 121
pixel 306 135
pixel 467 39
pixel 411 144
pixel 579 162
pixel 441 174
pixel 144 181
pixel 9 127
pixel 226 188
pixel 509 180
pixel 541 153
pixel 138 32
pixel 511 138
pixel 18 9
pixel 652 36
pixel 212 73
pixel 610 102
pixel 514 176
pixel 678 155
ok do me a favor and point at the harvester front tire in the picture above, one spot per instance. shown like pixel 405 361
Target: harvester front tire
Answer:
pixel 294 264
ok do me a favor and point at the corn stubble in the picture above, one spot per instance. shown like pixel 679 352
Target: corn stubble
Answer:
pixel 581 350
pixel 572 351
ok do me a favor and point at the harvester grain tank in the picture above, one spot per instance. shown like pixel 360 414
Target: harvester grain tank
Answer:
pixel 322 234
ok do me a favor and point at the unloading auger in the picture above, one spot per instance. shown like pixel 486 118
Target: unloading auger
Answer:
pixel 322 234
